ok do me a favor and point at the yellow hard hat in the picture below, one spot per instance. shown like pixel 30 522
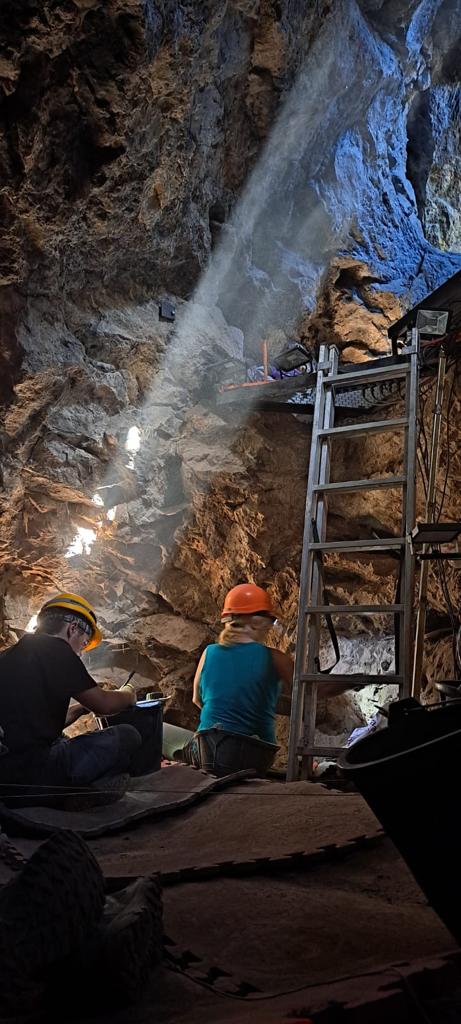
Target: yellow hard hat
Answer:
pixel 75 603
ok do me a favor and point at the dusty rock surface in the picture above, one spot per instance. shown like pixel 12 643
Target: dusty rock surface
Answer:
pixel 255 819
pixel 275 932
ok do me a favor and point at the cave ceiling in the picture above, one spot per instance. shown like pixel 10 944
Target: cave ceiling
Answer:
pixel 273 168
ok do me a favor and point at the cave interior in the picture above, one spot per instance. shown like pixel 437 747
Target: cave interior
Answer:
pixel 181 182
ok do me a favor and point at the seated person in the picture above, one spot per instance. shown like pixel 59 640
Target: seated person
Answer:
pixel 38 677
pixel 255 373
pixel 238 681
pixel 294 360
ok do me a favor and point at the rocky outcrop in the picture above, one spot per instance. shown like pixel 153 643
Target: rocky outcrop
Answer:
pixel 273 170
pixel 119 131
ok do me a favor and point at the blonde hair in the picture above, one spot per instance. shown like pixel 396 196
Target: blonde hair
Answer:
pixel 243 628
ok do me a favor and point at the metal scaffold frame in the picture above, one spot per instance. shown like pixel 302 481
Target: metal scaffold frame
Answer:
pixel 308 676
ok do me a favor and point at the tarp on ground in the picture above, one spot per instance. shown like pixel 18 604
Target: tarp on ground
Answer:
pixel 173 788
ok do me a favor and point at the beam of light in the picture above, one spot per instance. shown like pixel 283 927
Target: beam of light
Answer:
pixel 31 625
pixel 133 440
pixel 295 211
pixel 316 173
pixel 264 272
pixel 82 542
pixel 99 501
pixel 132 445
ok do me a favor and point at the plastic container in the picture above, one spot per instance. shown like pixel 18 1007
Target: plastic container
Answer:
pixel 222 753
pixel 149 723
pixel 410 775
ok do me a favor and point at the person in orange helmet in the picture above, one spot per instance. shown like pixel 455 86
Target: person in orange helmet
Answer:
pixel 238 681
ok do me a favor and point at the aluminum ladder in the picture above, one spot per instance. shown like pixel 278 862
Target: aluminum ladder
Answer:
pixel 307 675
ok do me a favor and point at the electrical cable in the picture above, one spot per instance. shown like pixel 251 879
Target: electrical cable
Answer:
pixel 422 472
pixel 451 612
pixel 203 983
pixel 423 463
pixel 26 791
pixel 424 444
pixel 283 992
pixel 458 643
pixel 415 998
pixel 448 448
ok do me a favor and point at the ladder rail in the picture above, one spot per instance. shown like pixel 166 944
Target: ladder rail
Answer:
pixel 352 679
pixel 371 544
pixel 418 656
pixel 297 702
pixel 307 675
pixel 409 507
pixel 372 375
pixel 310 692
pixel 362 429
pixel 367 484
pixel 354 609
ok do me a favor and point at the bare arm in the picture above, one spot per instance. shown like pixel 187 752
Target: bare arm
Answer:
pixel 196 691
pixel 284 665
pixel 108 702
pixel 285 668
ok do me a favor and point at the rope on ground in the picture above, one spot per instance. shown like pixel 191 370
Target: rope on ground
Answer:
pixel 250 993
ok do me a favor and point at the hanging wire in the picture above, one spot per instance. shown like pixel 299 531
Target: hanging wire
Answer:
pixel 422 472
pixel 422 447
pixel 448 448
pixel 452 614
pixel 430 349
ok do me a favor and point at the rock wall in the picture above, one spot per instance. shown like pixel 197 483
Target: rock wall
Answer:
pixel 273 169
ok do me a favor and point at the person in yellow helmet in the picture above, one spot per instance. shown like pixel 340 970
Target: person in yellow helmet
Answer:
pixel 39 676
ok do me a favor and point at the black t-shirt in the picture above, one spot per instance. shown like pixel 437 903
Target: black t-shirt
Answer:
pixel 38 677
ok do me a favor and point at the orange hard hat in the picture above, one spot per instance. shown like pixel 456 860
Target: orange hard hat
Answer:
pixel 247 599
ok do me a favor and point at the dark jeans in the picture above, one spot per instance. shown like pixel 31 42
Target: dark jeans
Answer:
pixel 191 752
pixel 148 723
pixel 82 760
pixel 71 762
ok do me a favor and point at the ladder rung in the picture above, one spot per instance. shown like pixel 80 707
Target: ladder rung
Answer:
pixel 357 429
pixel 372 544
pixel 352 679
pixel 320 751
pixel 354 609
pixel 365 376
pixel 361 485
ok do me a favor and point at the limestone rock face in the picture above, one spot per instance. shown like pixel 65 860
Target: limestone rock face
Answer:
pixel 120 127
pixel 272 170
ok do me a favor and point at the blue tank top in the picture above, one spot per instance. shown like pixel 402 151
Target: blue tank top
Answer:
pixel 239 690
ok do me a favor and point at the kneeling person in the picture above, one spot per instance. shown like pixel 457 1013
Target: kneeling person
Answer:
pixel 238 681
pixel 38 677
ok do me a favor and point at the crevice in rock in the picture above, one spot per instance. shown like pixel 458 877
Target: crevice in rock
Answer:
pixel 420 148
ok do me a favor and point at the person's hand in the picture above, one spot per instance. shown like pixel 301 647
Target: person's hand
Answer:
pixel 74 713
pixel 130 691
